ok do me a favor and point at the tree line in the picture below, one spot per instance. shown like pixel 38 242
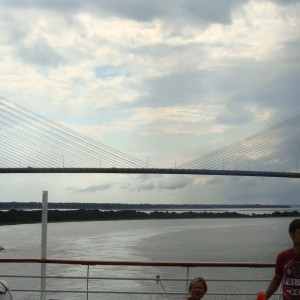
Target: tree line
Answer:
pixel 124 206
pixel 14 216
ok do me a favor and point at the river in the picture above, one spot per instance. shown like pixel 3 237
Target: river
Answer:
pixel 213 240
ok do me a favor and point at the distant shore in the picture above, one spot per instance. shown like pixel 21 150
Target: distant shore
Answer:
pixel 125 206
pixel 14 216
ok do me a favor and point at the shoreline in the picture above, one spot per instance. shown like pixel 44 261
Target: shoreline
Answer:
pixel 17 217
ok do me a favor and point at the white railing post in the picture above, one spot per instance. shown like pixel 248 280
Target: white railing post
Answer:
pixel 187 279
pixel 87 282
pixel 44 243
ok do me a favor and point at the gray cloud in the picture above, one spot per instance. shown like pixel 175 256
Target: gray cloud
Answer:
pixel 236 114
pixel 284 88
pixel 173 89
pixel 142 10
pixel 64 6
pixel 92 188
pixel 159 183
pixel 207 11
pixel 262 190
pixel 278 87
pixel 40 53
pixel 173 183
pixel 196 11
pixel 285 2
pixel 186 87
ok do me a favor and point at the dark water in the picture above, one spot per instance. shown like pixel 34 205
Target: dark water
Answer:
pixel 213 240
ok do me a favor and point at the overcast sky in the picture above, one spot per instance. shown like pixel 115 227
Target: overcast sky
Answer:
pixel 163 81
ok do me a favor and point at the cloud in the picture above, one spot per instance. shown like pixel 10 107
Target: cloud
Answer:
pixel 107 71
pixel 262 190
pixel 174 89
pixel 58 6
pixel 235 116
pixel 40 53
pixel 92 188
pixel 285 2
pixel 141 10
pixel 158 183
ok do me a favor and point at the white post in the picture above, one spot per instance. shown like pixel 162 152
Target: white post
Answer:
pixel 44 242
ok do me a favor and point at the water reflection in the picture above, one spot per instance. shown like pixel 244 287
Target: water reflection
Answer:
pixel 149 240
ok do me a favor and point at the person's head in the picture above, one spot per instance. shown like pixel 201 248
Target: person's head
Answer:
pixel 294 231
pixel 295 224
pixel 197 288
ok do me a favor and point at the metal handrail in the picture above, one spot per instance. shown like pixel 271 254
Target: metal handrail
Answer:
pixel 138 263
pixel 89 278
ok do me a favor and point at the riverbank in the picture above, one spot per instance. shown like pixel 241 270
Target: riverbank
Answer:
pixel 14 216
pixel 141 206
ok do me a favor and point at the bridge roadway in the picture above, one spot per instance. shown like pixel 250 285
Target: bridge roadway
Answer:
pixel 151 171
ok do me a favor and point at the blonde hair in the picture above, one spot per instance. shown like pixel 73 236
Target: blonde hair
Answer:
pixel 194 281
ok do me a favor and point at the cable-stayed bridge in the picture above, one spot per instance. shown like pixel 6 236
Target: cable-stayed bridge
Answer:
pixel 31 143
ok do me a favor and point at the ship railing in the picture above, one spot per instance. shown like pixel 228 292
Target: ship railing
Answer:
pixel 63 273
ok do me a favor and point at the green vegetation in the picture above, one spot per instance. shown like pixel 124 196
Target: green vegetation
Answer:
pixel 14 216
pixel 125 206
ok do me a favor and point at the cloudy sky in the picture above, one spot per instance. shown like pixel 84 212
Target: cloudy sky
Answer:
pixel 163 81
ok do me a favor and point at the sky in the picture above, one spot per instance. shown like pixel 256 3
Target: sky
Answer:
pixel 162 81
